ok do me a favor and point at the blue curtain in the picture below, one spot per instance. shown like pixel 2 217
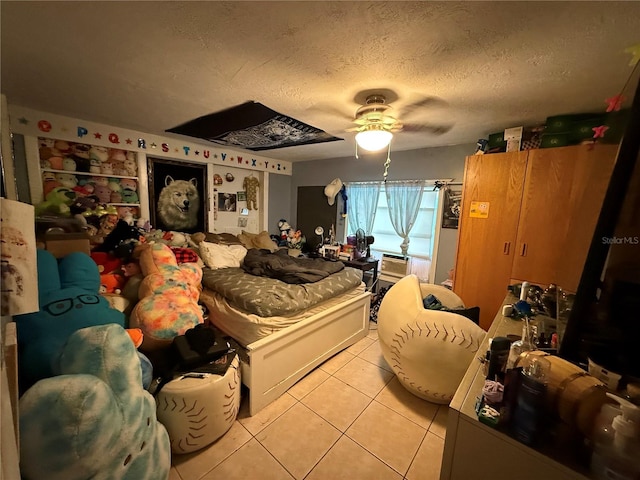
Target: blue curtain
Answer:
pixel 362 206
pixel 403 199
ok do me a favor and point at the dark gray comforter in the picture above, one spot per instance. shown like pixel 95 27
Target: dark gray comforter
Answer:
pixel 268 297
pixel 282 266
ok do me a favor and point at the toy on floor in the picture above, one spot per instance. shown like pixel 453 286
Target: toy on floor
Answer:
pixel 94 420
pixel 169 294
pixel 69 300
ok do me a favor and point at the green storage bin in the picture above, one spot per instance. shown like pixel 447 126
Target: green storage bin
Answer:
pixel 497 140
pixel 552 140
pixel 564 123
pixel 583 129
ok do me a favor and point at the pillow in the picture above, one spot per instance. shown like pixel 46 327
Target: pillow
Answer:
pixel 217 256
pixel 222 238
pixel 431 302
pixel 260 240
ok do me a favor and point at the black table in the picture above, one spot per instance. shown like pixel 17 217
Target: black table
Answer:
pixel 366 265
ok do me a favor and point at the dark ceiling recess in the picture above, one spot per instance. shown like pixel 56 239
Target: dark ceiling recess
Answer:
pixel 253 126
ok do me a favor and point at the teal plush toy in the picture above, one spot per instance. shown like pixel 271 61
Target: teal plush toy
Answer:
pixel 69 300
pixel 94 421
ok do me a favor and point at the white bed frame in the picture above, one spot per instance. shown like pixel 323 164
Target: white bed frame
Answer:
pixel 279 360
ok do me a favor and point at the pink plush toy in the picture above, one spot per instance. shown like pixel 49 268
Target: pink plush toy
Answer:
pixel 169 295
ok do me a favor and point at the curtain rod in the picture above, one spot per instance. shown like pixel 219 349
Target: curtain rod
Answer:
pixel 448 181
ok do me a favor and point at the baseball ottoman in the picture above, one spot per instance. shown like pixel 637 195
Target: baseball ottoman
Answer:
pixel 197 409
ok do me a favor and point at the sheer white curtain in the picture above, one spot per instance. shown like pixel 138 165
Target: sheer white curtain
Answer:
pixel 403 200
pixel 362 206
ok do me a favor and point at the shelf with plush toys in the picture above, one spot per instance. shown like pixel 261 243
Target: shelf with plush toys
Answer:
pixel 83 176
pixel 92 174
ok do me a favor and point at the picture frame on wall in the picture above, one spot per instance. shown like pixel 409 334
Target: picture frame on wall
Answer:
pixel 227 202
pixel 451 207
pixel 178 195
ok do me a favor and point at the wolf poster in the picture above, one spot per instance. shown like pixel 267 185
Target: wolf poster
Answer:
pixel 178 193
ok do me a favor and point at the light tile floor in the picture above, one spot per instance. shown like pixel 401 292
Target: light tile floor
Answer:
pixel 348 419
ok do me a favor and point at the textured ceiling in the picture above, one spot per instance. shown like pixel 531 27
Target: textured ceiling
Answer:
pixel 150 66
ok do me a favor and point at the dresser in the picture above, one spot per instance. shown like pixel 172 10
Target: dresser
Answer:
pixel 473 450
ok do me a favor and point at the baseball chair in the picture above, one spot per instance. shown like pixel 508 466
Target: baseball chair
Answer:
pixel 428 350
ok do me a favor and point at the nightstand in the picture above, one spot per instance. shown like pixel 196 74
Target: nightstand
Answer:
pixel 366 265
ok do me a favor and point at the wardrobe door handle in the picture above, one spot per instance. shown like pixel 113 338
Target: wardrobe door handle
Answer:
pixel 523 250
pixel 506 248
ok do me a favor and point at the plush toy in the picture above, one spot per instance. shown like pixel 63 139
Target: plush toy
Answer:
pixel 114 184
pixel 106 168
pixel 57 202
pixel 144 225
pixel 128 184
pixel 120 233
pixel 94 165
pixel 196 238
pixel 176 239
pixel 67 179
pixel 285 230
pixel 47 152
pixel 117 154
pixel 111 283
pixel 129 196
pixel 169 295
pixel 133 276
pixel 117 158
pixel 94 420
pixel 81 150
pixel 49 182
pixel 69 300
pixel 101 154
pixel 106 225
pixel 116 197
pixel 106 262
pixel 84 203
pixel 103 192
pixel 131 164
pixel 62 146
pixel 104 181
pixel 56 162
pixel 154 236
pixel 69 164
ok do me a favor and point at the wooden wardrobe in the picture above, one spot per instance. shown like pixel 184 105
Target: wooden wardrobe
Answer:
pixel 528 216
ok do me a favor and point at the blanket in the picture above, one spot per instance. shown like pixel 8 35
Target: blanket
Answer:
pixel 269 297
pixel 281 266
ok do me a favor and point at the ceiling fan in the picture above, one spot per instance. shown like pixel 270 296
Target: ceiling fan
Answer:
pixel 376 120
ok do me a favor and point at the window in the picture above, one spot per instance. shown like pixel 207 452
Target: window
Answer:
pixel 423 235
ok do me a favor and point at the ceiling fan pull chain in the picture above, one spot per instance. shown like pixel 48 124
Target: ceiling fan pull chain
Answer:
pixel 356 150
pixel 386 165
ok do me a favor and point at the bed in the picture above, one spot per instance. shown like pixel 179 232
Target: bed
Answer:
pixel 282 347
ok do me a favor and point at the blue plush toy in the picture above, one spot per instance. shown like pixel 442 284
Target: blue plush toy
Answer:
pixel 69 300
pixel 94 421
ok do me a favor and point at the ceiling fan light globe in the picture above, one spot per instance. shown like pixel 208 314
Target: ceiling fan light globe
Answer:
pixel 373 140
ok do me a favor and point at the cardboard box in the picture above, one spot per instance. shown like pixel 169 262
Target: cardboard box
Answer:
pixel 513 137
pixel 62 244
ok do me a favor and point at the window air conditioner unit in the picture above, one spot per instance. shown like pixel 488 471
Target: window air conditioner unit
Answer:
pixel 393 267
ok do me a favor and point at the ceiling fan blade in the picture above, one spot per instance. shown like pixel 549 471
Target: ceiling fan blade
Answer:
pixel 433 129
pixel 422 103
pixel 332 111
